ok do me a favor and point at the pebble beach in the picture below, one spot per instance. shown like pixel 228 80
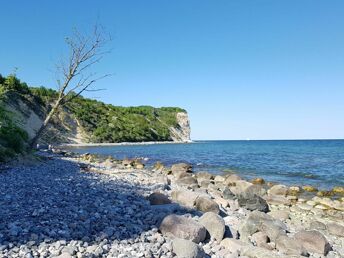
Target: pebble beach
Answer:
pixel 72 205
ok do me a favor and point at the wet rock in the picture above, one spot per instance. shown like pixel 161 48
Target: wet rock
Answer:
pixel 186 249
pixel 206 204
pixel 313 241
pixel 309 188
pixel 182 227
pixel 338 190
pixel 290 246
pixel 158 199
pixel 214 224
pixel 258 181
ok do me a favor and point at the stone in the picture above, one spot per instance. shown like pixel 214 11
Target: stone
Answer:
pixel 184 197
pixel 290 246
pixel 206 204
pixel 335 229
pixel 186 180
pixel 202 175
pixel 309 188
pixel 338 190
pixel 214 224
pixel 294 190
pixel 219 179
pixel 186 249
pixel 231 180
pixel 313 241
pixel 317 225
pixel 158 199
pixel 64 255
pixel 259 239
pixel 278 200
pixel 259 221
pixel 278 190
pixel 257 252
pixel 258 181
pixel 180 170
pixel 240 187
pixel 233 245
pixel 227 194
pixel 158 166
pixel 252 202
pixel 183 227
pixel 279 214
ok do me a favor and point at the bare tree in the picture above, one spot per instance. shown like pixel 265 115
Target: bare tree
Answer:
pixel 73 73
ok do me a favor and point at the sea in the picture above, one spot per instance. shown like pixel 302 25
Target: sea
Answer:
pixel 319 163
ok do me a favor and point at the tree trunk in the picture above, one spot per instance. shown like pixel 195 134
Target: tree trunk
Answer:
pixel 34 140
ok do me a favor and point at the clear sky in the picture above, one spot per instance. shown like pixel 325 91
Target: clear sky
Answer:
pixel 243 69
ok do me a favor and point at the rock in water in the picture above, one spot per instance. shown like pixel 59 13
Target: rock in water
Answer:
pixel 214 224
pixel 183 227
pixel 313 241
pixel 186 249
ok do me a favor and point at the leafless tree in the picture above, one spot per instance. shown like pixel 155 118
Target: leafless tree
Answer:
pixel 73 72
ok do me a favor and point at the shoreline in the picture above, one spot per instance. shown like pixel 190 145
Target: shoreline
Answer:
pixel 64 145
pixel 142 202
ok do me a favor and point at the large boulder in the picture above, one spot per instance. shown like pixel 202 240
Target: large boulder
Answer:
pixel 290 246
pixel 180 170
pixel 202 175
pixel 253 202
pixel 232 179
pixel 158 199
pixel 186 249
pixel 182 227
pixel 259 221
pixel 277 200
pixel 227 194
pixel 240 187
pixel 206 204
pixel 233 245
pixel 280 214
pixel 214 224
pixel 186 181
pixel 313 241
pixel 278 190
pixel 184 197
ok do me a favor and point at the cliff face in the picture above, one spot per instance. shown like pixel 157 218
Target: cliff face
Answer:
pixel 92 121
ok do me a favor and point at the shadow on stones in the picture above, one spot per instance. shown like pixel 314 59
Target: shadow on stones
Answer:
pixel 56 201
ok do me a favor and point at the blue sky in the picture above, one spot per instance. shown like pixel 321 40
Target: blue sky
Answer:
pixel 242 69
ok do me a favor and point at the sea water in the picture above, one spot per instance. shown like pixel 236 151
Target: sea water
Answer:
pixel 292 162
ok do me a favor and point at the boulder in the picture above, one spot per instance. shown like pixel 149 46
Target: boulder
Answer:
pixel 233 245
pixel 214 224
pixel 206 204
pixel 258 181
pixel 231 180
pixel 259 221
pixel 309 188
pixel 186 249
pixel 184 197
pixel 313 241
pixel 257 252
pixel 180 170
pixel 280 214
pixel 338 190
pixel 335 229
pixel 259 239
pixel 227 194
pixel 294 190
pixel 277 200
pixel 158 199
pixel 240 187
pixel 204 183
pixel 204 176
pixel 182 227
pixel 290 246
pixel 186 180
pixel 278 190
pixel 138 164
pixel 219 179
pixel 317 225
pixel 252 201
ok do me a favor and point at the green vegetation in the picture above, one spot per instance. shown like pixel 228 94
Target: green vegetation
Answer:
pixel 100 122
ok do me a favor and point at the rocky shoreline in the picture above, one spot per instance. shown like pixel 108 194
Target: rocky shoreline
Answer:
pixel 71 205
